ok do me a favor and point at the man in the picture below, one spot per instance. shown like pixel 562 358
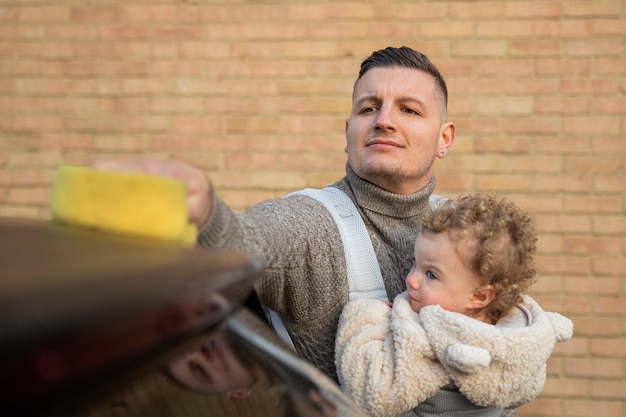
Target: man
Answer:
pixel 396 130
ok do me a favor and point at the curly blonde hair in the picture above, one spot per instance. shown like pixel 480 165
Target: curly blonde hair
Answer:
pixel 505 241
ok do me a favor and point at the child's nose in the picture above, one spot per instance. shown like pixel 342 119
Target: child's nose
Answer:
pixel 412 281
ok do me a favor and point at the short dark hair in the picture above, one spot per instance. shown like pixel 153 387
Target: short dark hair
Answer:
pixel 404 57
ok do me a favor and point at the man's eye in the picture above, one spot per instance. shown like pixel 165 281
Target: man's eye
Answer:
pixel 369 109
pixel 410 111
pixel 430 275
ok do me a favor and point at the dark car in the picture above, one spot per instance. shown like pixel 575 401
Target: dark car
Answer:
pixel 103 325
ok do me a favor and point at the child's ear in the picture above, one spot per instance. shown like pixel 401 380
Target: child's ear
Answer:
pixel 482 296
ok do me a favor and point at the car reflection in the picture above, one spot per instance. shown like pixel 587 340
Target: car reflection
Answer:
pixel 246 357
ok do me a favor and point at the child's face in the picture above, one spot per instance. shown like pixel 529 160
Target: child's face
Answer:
pixel 440 276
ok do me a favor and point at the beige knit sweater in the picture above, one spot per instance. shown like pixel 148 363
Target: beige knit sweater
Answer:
pixel 304 279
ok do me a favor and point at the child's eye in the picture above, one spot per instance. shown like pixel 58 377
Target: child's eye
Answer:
pixel 430 275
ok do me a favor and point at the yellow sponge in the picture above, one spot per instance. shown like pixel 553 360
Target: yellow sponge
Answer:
pixel 132 204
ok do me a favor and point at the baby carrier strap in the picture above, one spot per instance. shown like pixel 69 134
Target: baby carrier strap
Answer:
pixel 364 277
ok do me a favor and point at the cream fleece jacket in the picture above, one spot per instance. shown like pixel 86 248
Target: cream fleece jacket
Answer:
pixel 392 359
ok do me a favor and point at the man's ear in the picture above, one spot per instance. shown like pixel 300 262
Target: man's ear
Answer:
pixel 446 137
pixel 482 296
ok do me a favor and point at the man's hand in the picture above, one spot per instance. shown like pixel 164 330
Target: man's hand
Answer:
pixel 199 193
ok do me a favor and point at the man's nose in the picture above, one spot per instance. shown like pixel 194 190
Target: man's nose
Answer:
pixel 385 120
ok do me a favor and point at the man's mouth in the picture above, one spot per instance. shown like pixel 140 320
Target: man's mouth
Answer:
pixel 383 143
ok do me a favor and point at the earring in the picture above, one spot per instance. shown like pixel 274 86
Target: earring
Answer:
pixel 442 153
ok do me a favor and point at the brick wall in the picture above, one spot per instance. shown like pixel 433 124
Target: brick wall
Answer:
pixel 256 93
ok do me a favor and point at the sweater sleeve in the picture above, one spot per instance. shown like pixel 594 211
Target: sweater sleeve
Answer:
pixel 298 243
pixel 383 358
pixel 304 269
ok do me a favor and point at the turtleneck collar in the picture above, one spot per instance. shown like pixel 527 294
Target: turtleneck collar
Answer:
pixel 375 199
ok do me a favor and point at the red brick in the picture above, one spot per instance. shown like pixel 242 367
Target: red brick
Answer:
pixel 609 306
pixel 609 389
pixel 598 368
pixel 504 105
pixel 608 346
pixel 596 8
pixel 333 11
pixel 562 265
pixel 536 125
pixel 325 30
pixel 477 9
pixel 605 164
pixel 478 48
pixel 541 407
pixel 609 183
pixel 95 14
pixel 586 408
pixel 596 286
pixel 562 105
pixel 570 387
pixel 511 146
pixel 534 9
pixel 309 162
pixel 499 66
pixel 257 161
pixel 609 26
pixel 591 245
pixel 259 181
pixel 563 183
pixel 561 66
pixel 120 143
pixel 504 183
pixel 504 28
pixel 591 204
pixel 242 200
pixel 609 266
pixel 534 48
pixel 563 28
pixel 567 305
pixel 29 195
pixel 596 327
pixel 588 47
pixel 149 13
pixel 595 86
pixel 207 160
pixel 66 141
pixel 43 14
pixel 609 105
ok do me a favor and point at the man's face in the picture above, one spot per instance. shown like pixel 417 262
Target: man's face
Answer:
pixel 397 128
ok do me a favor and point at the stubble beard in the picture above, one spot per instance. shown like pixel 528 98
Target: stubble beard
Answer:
pixel 392 175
